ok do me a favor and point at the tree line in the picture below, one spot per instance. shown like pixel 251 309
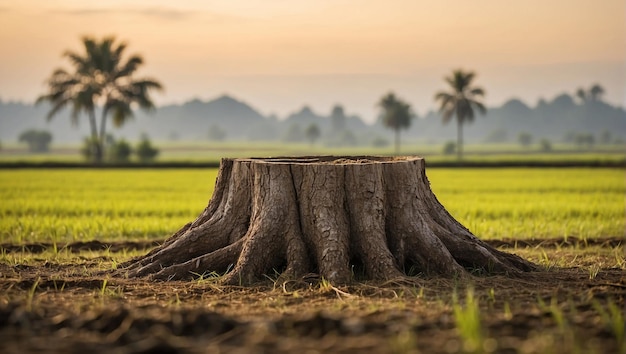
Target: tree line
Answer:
pixel 103 80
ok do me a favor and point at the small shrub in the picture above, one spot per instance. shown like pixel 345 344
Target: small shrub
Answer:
pixel 585 141
pixel 89 148
pixel 216 133
pixel 145 151
pixel 120 151
pixel 525 139
pixel 546 145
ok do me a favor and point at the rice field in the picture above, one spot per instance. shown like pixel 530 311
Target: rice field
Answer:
pixel 64 299
pixel 110 205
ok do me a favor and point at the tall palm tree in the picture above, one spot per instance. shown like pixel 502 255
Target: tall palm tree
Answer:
pixel 461 102
pixel 396 115
pixel 104 79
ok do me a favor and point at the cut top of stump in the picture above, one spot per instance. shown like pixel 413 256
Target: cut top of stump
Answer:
pixel 331 160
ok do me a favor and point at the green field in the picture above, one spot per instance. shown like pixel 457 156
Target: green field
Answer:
pixel 107 205
pixel 203 151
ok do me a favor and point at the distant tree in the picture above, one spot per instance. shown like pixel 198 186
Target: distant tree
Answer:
pixel 546 145
pixel 460 102
pixel 312 133
pixel 590 140
pixel 606 137
pixel 120 151
pixel 449 148
pixel 88 150
pixel 525 139
pixel 37 140
pixel 145 151
pixel 570 137
pixel 101 78
pixel 216 133
pixel 109 140
pixel 396 115
pixel 496 136
pixel 338 119
pixel 584 141
pixel 294 133
pixel 582 95
pixel 594 94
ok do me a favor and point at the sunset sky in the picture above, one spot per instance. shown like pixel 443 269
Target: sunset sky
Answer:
pixel 279 55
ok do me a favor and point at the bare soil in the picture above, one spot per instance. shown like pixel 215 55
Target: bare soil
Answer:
pixel 77 247
pixel 79 307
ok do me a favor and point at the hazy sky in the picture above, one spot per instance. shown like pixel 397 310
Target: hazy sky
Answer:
pixel 278 55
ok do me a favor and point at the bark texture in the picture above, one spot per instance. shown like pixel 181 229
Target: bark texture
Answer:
pixel 332 216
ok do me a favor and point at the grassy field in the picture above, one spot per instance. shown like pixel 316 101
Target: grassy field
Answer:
pixel 202 151
pixel 79 205
pixel 72 298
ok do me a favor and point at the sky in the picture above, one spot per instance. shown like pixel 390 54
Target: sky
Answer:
pixel 278 55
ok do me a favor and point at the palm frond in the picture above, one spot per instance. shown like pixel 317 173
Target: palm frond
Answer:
pixel 467 78
pixel 447 115
pixel 56 108
pixel 129 67
pixel 121 110
pixel 480 106
pixel 451 81
pixel 443 96
pixel 469 111
pixel 119 50
pixel 77 60
pixel 477 91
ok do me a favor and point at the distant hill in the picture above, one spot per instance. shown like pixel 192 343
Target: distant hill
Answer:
pixel 192 120
pixel 549 119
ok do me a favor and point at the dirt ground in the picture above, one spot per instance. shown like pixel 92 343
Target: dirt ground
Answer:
pixel 56 307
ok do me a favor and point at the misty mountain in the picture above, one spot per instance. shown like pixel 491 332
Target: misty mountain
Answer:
pixel 192 120
pixel 237 120
pixel 549 119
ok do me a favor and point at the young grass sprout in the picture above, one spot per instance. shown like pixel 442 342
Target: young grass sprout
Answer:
pixel 31 295
pixel 469 325
pixel 613 319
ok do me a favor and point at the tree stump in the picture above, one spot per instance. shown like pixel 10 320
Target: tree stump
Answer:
pixel 323 215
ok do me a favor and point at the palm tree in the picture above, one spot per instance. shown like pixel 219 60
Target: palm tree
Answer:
pixel 582 95
pixel 102 78
pixel 595 92
pixel 460 102
pixel 396 115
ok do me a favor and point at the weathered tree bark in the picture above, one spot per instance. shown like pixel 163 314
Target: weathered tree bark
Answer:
pixel 323 215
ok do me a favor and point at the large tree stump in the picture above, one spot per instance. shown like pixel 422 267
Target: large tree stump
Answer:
pixel 323 215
